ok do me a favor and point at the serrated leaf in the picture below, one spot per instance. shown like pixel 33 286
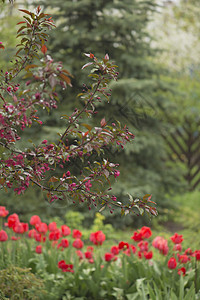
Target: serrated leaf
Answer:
pixel 28 19
pixel 53 179
pixel 44 49
pixel 102 208
pixel 86 65
pixel 66 79
pixel 130 197
pixel 30 66
pixel 16 54
pixel 26 12
pixel 141 210
pixel 21 28
pixel 87 126
pixel 67 72
pixel 22 22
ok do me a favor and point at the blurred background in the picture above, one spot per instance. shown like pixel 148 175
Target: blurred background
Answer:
pixel 156 45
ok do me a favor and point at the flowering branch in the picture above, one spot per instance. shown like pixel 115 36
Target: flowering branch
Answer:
pixel 19 110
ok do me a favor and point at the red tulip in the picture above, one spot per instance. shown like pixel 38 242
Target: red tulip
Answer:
pixel 176 238
pixel 18 228
pixel 65 230
pixel 61 264
pixel 182 271
pixel 54 235
pixel 64 267
pixel 15 238
pixel 12 219
pixel 39 238
pixel 35 220
pixel 123 245
pixel 161 244
pixel 25 226
pixel 137 236
pixel 172 263
pixel 146 232
pixel 64 243
pixel 97 238
pixel 78 244
pixel 197 254
pixel 140 253
pixel 79 254
pixel 68 268
pixel 143 245
pixel 183 258
pixel 3 236
pixel 108 256
pixel 114 250
pixel 188 251
pixel 3 211
pixel 41 227
pixel 133 248
pixel 32 233
pixel 177 247
pixel 38 249
pixel 88 254
pixel 77 234
pixel 148 255
pixel 52 226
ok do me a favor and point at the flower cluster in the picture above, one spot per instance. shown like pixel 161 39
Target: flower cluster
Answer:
pixel 50 236
pixel 65 267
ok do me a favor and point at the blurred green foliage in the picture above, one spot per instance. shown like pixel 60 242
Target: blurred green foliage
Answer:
pixel 119 29
pixel 20 283
pixel 8 30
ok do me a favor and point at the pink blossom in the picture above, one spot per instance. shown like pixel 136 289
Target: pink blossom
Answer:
pixel 9 89
pixel 44 142
pixel 88 185
pixel 116 173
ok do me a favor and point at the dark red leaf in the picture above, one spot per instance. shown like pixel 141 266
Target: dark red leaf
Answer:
pixel 44 49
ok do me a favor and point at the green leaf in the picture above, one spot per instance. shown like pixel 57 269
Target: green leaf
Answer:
pixel 191 293
pixel 134 296
pixel 151 292
pixel 102 208
pixel 181 288
pixel 87 126
pixel 141 210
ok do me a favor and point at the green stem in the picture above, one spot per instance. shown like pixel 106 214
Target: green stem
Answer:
pixel 195 276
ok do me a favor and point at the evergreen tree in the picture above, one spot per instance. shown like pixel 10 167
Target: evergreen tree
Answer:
pixel 119 28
